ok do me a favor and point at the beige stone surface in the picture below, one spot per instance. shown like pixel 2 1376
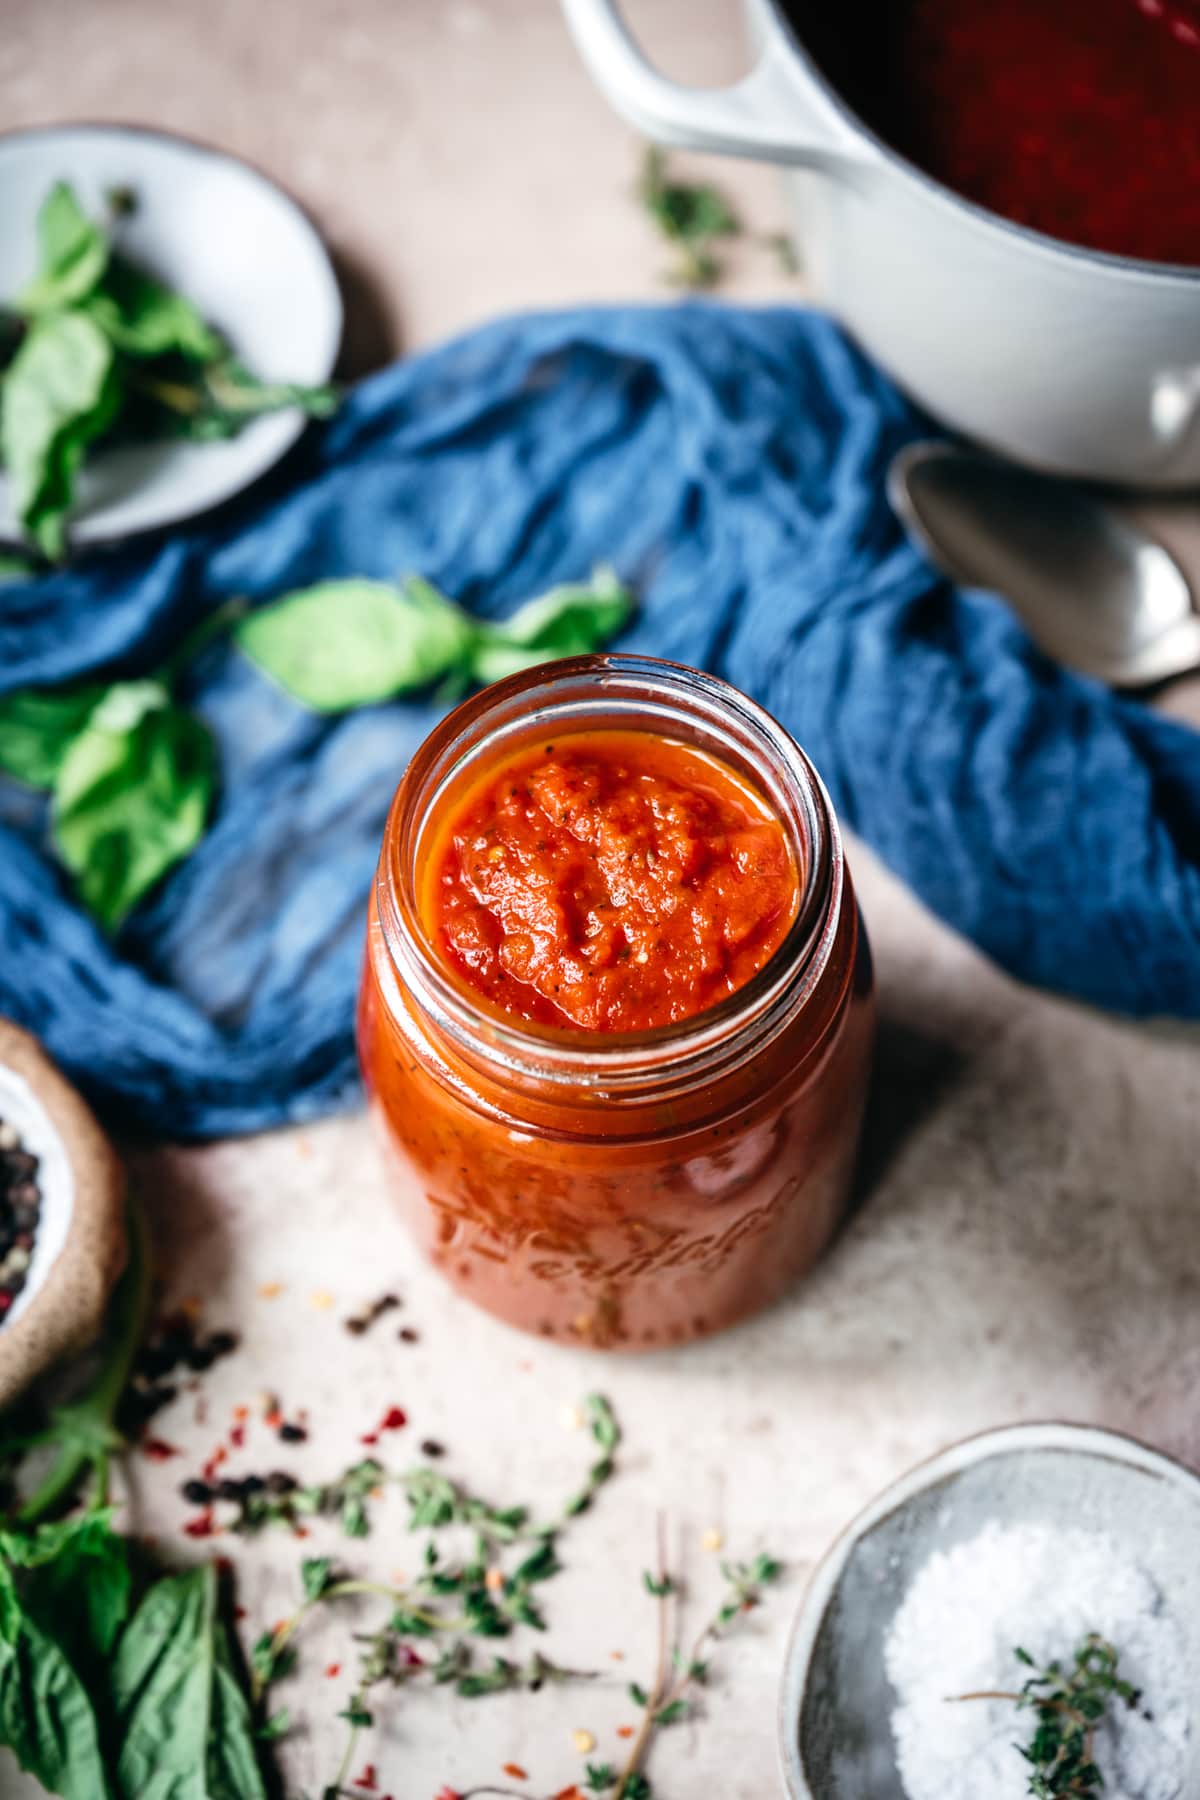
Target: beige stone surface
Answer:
pixel 1026 1244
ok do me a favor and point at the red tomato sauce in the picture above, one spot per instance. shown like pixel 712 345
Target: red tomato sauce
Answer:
pixel 609 881
pixel 1079 118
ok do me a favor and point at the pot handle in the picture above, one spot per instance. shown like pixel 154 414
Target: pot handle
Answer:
pixel 772 113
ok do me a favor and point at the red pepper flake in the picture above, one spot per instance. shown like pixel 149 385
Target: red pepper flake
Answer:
pixel 515 1770
pixel 394 1419
pixel 625 1731
pixel 333 1670
pixel 219 1455
pixel 447 1793
pixel 6 1301
pixel 410 1658
pixel 370 1439
pixel 240 1613
pixel 237 1436
pixel 241 1414
pixel 203 1525
pixel 158 1450
pixel 368 1778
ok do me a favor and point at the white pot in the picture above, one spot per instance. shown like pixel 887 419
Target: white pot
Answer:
pixel 1066 359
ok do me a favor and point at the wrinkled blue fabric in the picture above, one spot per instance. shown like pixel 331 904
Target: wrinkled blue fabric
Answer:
pixel 730 464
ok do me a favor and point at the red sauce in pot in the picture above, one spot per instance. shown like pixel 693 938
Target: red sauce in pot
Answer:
pixel 1079 118
pixel 610 881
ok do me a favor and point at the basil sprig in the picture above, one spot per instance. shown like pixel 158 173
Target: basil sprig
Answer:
pixel 132 777
pixel 345 644
pixel 132 772
pixel 97 348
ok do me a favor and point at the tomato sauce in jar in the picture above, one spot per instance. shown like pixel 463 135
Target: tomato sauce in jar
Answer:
pixel 612 881
pixel 616 1014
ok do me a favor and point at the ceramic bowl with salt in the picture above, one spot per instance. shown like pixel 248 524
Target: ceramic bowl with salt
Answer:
pixel 837 1737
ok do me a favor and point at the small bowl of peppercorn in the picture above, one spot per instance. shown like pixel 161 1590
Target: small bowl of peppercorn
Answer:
pixel 62 1215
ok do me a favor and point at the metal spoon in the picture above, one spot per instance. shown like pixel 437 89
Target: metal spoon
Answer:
pixel 1095 591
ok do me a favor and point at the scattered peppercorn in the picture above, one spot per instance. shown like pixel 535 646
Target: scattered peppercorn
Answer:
pixel 362 1321
pixel 407 1335
pixel 292 1434
pixel 431 1447
pixel 197 1492
pixel 173 1344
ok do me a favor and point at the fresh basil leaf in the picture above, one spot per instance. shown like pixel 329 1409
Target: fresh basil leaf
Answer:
pixel 80 1588
pixel 352 643
pixel 182 1719
pixel 46 1717
pixel 235 393
pixel 209 400
pixel 132 796
pixel 145 318
pixel 37 727
pixel 568 621
pixel 232 1765
pixel 73 251
pixel 10 1606
pixel 61 391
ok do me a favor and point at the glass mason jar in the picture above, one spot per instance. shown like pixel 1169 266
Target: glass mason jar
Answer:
pixel 618 1189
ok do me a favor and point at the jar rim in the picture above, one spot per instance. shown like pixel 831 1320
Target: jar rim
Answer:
pixel 675 1055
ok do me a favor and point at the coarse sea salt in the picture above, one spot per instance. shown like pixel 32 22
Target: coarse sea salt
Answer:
pixel 1045 1589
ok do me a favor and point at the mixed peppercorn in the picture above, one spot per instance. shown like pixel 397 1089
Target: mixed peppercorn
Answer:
pixel 20 1210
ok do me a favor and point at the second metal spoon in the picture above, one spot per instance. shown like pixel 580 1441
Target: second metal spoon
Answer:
pixel 1096 592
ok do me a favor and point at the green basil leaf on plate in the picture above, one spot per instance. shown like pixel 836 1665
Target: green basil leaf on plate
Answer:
pixel 144 318
pixel 60 392
pixel 73 252
pixel 183 1722
pixel 131 796
pixel 37 726
pixel 571 620
pixel 237 395
pixel 352 643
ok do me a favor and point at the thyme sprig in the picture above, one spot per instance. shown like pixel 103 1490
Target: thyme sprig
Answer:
pixel 670 1697
pixel 692 215
pixel 1068 1705
pixel 344 1498
pixel 452 1601
pixel 434 1500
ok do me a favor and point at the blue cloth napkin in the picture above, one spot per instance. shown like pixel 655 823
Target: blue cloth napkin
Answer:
pixel 730 464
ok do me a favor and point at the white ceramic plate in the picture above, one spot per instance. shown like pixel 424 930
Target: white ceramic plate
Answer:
pixel 836 1701
pixel 230 240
